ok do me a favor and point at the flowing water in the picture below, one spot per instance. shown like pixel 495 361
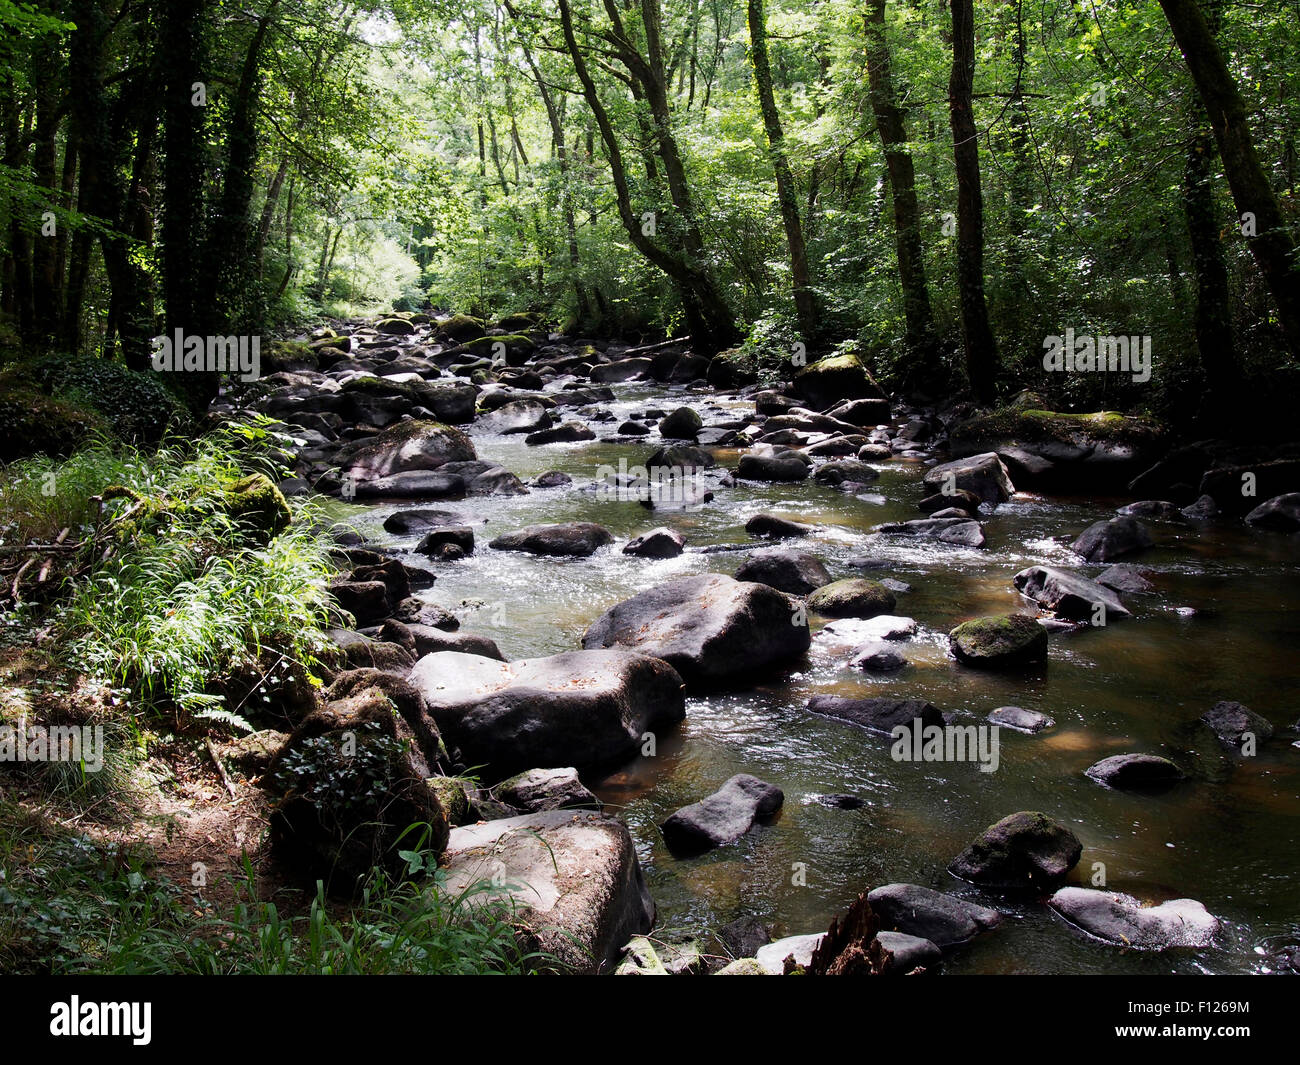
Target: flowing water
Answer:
pixel 1229 836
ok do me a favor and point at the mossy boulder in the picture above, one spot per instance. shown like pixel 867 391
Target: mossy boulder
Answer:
pixel 418 444
pixel 514 347
pixel 1050 449
pixel 852 598
pixel 834 378
pixel 290 355
pixel 462 327
pixel 513 323
pixel 1002 641
pixel 258 505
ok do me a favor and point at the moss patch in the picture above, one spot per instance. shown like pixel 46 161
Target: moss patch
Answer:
pixel 1042 426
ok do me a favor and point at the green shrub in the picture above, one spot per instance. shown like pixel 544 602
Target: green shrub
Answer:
pixel 137 406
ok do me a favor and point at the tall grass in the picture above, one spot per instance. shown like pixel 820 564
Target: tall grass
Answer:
pixel 188 597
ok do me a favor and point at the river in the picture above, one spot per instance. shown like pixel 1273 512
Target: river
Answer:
pixel 1229 836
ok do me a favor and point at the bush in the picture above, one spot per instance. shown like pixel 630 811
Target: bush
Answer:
pixel 136 406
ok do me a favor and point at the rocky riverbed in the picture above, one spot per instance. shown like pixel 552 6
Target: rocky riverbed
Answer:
pixel 636 581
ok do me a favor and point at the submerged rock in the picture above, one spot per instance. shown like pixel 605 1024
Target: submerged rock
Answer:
pixel 1020 719
pixel 1124 921
pixel 1232 723
pixel 1135 771
pixel 879 715
pixel 712 629
pixel 722 817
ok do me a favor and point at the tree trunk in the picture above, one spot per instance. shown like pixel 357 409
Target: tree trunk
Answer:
pixel 709 318
pixel 786 193
pixel 1272 246
pixel 921 338
pixel 977 335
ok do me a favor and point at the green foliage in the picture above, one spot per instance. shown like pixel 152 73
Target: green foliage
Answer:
pixel 201 587
pixel 69 905
pixel 136 406
pixel 343 788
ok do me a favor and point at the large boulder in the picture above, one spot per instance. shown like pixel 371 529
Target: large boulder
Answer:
pixel 1023 851
pixel 1104 540
pixel 944 920
pixel 834 378
pixel 1002 641
pixel 712 629
pixel 1281 513
pixel 572 877
pixel 1069 595
pixel 404 448
pixel 569 540
pixel 1101 450
pixel 853 597
pixel 1126 922
pixel 722 817
pixel 793 572
pixel 353 777
pixel 579 708
pixel 982 475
